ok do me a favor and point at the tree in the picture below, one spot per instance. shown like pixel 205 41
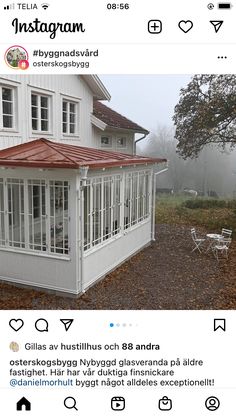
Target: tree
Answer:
pixel 206 114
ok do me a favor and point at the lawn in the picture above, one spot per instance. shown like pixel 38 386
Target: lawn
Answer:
pixel 210 214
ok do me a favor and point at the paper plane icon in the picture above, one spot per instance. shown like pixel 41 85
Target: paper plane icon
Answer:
pixel 217 24
pixel 67 323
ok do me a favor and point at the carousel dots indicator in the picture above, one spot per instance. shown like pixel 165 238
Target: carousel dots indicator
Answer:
pixel 121 325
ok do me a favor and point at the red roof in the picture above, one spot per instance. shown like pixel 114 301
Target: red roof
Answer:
pixel 115 120
pixel 44 153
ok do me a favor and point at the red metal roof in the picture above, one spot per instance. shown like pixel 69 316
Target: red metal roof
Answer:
pixel 43 153
pixel 115 120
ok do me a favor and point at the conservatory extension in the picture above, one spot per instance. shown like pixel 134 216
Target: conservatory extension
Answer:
pixel 69 214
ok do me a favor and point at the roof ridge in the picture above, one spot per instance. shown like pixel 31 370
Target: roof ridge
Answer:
pixel 50 144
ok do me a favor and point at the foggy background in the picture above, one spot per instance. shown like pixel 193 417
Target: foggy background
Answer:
pixel 149 100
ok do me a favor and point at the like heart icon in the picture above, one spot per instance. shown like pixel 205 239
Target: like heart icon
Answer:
pixel 185 25
pixel 16 324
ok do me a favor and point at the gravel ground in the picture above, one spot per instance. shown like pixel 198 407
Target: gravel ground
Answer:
pixel 165 275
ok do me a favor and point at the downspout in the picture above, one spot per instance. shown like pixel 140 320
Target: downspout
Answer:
pixel 154 200
pixel 83 174
pixel 137 141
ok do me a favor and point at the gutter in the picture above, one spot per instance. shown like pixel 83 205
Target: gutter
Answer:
pixel 154 200
pixel 137 141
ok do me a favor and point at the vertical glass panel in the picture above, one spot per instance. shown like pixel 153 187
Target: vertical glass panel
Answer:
pixel 97 191
pixel 15 189
pixel 2 224
pixel 87 217
pixel 107 205
pixel 59 195
pixel 37 215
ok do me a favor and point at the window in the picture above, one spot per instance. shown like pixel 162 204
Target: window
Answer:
pixel 2 222
pixel 59 217
pixel 121 142
pixel 69 117
pixel 105 200
pixel 40 112
pixel 106 142
pixel 7 107
pixel 23 215
pixel 15 212
pixel 102 201
pixel 137 196
pixel 37 214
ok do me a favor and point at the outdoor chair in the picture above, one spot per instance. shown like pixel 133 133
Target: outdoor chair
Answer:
pixel 222 247
pixel 197 241
pixel 226 233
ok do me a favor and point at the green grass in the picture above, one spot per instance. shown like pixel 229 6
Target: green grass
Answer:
pixel 172 210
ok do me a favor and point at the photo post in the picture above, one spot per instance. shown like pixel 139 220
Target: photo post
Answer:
pixel 117 209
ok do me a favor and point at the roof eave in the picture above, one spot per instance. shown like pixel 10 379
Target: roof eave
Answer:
pixel 134 131
pixel 99 90
pixel 92 165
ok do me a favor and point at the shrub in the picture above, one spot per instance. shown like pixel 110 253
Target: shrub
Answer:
pixel 208 203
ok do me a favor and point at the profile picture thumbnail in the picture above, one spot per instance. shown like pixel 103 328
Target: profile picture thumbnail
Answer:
pixel 17 57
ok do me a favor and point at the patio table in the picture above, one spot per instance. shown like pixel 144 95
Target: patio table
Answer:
pixel 212 237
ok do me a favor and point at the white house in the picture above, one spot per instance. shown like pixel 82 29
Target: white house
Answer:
pixel 62 108
pixel 71 208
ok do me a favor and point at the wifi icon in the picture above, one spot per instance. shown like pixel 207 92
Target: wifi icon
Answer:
pixel 45 6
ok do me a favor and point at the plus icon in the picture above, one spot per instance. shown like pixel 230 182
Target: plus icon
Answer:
pixel 154 26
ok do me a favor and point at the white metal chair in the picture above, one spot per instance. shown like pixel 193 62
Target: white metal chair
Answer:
pixel 222 247
pixel 226 233
pixel 197 241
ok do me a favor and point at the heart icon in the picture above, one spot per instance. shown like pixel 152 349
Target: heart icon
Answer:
pixel 185 25
pixel 16 324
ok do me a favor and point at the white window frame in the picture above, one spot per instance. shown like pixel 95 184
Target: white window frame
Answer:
pixel 2 215
pixel 76 113
pixel 126 205
pixel 14 108
pixel 137 198
pixel 45 246
pixel 109 145
pixel 122 145
pixel 38 107
pixel 102 210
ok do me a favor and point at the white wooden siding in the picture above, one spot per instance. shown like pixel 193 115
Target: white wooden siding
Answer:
pixel 55 86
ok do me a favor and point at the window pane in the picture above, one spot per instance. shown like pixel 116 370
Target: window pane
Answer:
pixel 64 106
pixel 72 129
pixel 44 125
pixel 64 117
pixel 72 117
pixel 44 102
pixel 72 108
pixel 34 112
pixel 7 94
pixel 106 141
pixel 7 121
pixel 2 226
pixel 7 108
pixel 121 142
pixel 15 189
pixel 44 113
pixel 34 100
pixel 37 216
pixel 34 124
pixel 59 217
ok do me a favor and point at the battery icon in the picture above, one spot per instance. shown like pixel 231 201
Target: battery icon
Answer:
pixel 224 5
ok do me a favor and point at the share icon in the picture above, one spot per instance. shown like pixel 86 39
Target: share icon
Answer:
pixel 217 24
pixel 67 323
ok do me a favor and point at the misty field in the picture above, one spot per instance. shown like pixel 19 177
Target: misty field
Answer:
pixel 212 214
